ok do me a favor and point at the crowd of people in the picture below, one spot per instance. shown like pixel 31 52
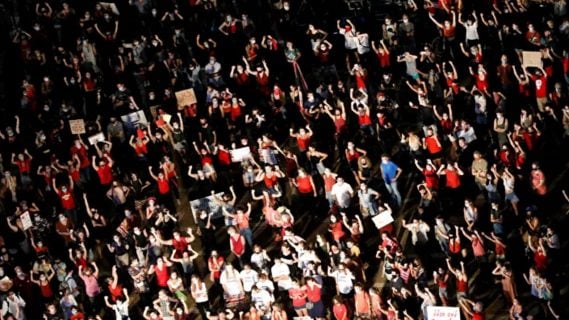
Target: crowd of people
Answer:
pixel 347 163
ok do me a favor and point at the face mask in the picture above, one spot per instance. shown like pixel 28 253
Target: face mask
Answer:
pixel 37 28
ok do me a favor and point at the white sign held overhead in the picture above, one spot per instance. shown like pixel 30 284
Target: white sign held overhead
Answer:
pixel 443 313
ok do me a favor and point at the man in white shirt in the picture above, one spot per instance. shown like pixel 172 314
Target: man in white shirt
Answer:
pixel 342 193
pixel 280 273
pixel 249 277
pixel 14 305
pixel 344 279
pixel 262 300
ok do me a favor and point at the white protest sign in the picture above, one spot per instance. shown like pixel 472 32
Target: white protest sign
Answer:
pixel 26 220
pixel 382 219
pixel 443 313
pixel 96 138
pixel 240 154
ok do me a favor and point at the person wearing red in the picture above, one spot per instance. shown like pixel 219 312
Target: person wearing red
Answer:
pixel 305 185
pixel 302 138
pixel 179 243
pixel 67 199
pixel 539 79
pixel 236 243
pixel 161 270
pixel 298 296
pixel 164 190
pixel 214 264
pixel 339 309
pixel 81 150
pixel 433 146
pixel 104 170
pixel 314 296
pixel 24 163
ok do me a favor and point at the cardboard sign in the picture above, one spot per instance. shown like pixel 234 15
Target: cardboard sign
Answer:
pixel 240 154
pixel 77 126
pixel 382 219
pixel 443 313
pixel 26 220
pixel 154 111
pixel 186 98
pixel 96 138
pixel 532 59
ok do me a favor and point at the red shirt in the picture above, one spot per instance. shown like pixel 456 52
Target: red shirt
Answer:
pixel 540 86
pixel 163 186
pixel 298 296
pixel 340 312
pixel 81 152
pixel 384 59
pixel 304 185
pixel 224 157
pixel 162 276
pixel 270 181
pixel 452 179
pixel 431 179
pixel 67 201
pixel 313 294
pixel 105 173
pixel 302 143
pixel 432 145
pixel 24 165
pixel 238 246
pixel 364 120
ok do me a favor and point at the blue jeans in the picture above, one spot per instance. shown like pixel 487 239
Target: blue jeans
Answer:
pixel 248 235
pixel 392 189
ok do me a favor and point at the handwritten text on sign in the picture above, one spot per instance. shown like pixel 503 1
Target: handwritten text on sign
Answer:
pixel 443 313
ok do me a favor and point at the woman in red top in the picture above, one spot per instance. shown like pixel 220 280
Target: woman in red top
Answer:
pixel 140 146
pixel 214 264
pixel 270 177
pixel 298 296
pixel 336 228
pixel 339 309
pixel 448 29
pixel 451 77
pixel 314 295
pixel 44 283
pixel 305 184
pixel 161 181
pixel 452 172
pixel 430 174
pixel 104 170
pixel 115 289
pixel 302 138
pixel 262 76
pixel 432 144
pixel 360 75
pixel 161 271
pixel 236 242
pixel 383 54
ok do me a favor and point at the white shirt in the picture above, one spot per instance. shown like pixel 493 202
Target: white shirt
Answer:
pixel 343 193
pixel 282 270
pixel 350 39
pixel 262 299
pixel 248 277
pixel 472 31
